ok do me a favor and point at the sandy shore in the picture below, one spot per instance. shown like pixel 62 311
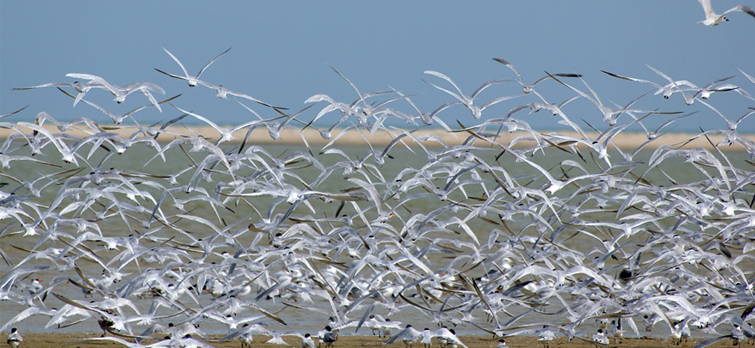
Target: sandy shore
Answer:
pixel 57 340
pixel 293 136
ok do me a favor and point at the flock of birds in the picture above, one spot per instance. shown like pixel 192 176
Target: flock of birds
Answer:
pixel 540 233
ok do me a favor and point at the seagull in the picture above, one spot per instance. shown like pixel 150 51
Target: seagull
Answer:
pixel 191 80
pixel 713 19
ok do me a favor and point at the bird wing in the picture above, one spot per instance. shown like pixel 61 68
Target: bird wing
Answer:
pixel 741 8
pixel 406 333
pixel 447 334
pixel 707 8
pixel 177 61
pixel 210 62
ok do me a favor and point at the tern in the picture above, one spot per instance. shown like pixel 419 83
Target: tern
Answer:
pixel 191 80
pixel 223 93
pixel 120 92
pixel 713 19
pixel 14 339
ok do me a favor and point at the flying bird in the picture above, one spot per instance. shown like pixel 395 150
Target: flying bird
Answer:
pixel 713 19
pixel 191 80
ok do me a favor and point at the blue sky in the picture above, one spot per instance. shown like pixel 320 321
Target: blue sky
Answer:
pixel 281 51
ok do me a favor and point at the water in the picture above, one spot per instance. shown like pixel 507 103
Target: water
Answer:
pixel 444 246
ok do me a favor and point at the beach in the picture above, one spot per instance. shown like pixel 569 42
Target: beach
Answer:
pixel 78 339
pixel 430 137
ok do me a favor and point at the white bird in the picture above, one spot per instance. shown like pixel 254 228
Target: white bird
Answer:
pixel 223 93
pixel 14 339
pixel 546 335
pixel 120 92
pixel 468 100
pixel 408 335
pixel 117 118
pixel 529 88
pixel 713 19
pixel 307 341
pixel 447 336
pixel 191 80
pixel 600 337
pixel 618 331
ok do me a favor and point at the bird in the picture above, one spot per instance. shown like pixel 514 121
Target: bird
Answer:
pixel 223 93
pixel 81 88
pixel 546 335
pixel 408 335
pixel 529 88
pixel 737 335
pixel 120 92
pixel 14 339
pixel 307 341
pixel 330 337
pixel 427 338
pixel 501 344
pixel 448 336
pixel 118 118
pixel 387 326
pixel 648 321
pixel 191 80
pixel 713 19
pixel 468 100
pixel 618 331
pixel 600 337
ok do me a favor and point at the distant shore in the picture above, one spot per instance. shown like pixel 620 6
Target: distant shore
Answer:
pixel 433 138
pixel 77 339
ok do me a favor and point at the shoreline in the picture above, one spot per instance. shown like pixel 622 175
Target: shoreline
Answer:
pixel 79 339
pixel 312 137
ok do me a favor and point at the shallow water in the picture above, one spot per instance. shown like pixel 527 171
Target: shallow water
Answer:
pixel 240 215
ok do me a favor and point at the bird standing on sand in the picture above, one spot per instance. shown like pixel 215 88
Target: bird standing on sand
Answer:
pixel 448 338
pixel 14 339
pixel 501 344
pixel 545 336
pixel 618 331
pixel 387 328
pixel 427 338
pixel 330 337
pixel 307 341
pixel 600 337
